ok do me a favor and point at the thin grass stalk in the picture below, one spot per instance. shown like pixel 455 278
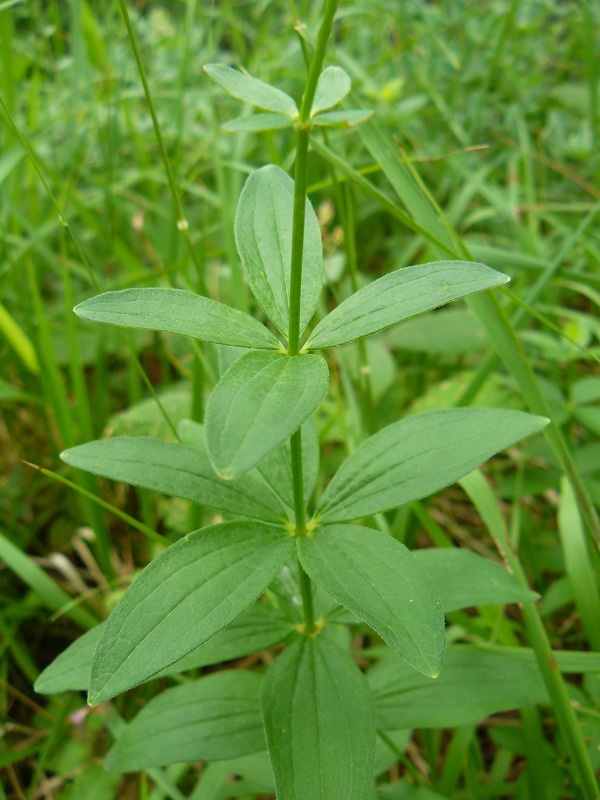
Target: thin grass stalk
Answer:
pixel 488 364
pixel 52 378
pixel 182 223
pixel 512 353
pixel 81 253
pixel 123 515
pixel 486 306
pixel 484 500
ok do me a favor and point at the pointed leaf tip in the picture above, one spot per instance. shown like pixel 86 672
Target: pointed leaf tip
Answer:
pixel 221 569
pixel 251 90
pixel 400 295
pixel 333 85
pixel 263 235
pixel 379 580
pixel 178 311
pixel 418 456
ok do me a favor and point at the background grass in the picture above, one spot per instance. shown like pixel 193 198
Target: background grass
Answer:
pixel 496 105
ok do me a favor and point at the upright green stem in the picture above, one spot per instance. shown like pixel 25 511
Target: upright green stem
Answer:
pixel 299 214
pixel 300 180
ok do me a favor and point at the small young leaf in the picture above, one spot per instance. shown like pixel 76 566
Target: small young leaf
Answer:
pixel 211 719
pixel 178 311
pixel 257 629
pixel 472 685
pixel 251 90
pixel 418 456
pixel 333 85
pixel 380 581
pixel 263 232
pixel 260 401
pixel 464 579
pixel 320 723
pixel 258 122
pixel 190 592
pixel 345 119
pixel 400 295
pixel 178 470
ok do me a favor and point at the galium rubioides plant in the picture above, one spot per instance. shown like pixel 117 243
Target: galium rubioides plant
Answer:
pixel 255 460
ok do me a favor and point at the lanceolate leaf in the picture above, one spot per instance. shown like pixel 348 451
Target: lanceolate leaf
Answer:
pixel 258 122
pixel 381 582
pixel 333 85
pixel 346 119
pixel 400 295
pixel 178 470
pixel 472 685
pixel 263 232
pixel 251 90
pixel 464 579
pixel 260 401
pixel 257 629
pixel 419 455
pixel 178 311
pixel 319 720
pixel 210 719
pixel 190 592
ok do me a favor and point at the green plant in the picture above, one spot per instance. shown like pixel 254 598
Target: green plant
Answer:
pixel 314 704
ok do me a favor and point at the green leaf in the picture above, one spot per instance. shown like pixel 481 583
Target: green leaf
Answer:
pixel 464 579
pixel 251 90
pixel 190 592
pixel 71 669
pixel 345 119
pixel 472 685
pixel 178 470
pixel 263 232
pixel 257 629
pixel 178 311
pixel 258 122
pixel 210 719
pixel 319 720
pixel 333 85
pixel 418 456
pixel 260 401
pixel 400 295
pixel 380 581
